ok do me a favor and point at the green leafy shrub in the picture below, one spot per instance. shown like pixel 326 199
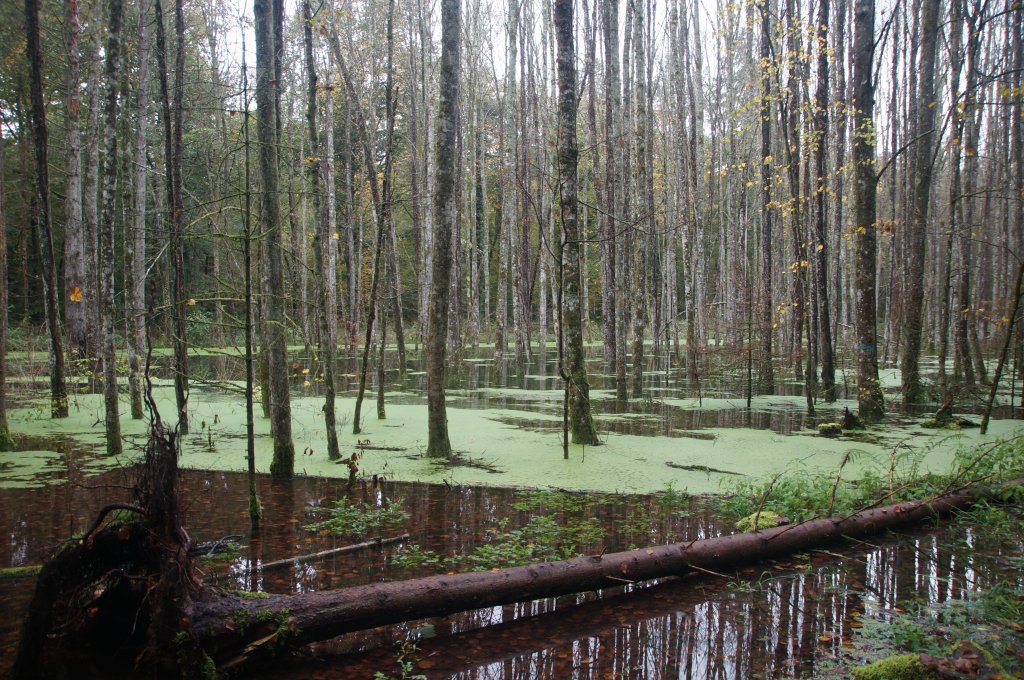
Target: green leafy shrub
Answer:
pixel 358 519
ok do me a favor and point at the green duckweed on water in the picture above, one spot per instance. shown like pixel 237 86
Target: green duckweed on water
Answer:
pixel 490 451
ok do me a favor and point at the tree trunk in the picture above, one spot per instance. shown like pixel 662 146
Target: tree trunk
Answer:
pixel 323 238
pixel 871 404
pixel 765 372
pixel 76 269
pixel 6 442
pixel 438 443
pixel 135 241
pixel 58 390
pixel 581 422
pixel 283 463
pixel 112 69
pixel 821 248
pixel 924 135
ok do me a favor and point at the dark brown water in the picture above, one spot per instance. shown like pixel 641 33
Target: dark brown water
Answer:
pixel 783 619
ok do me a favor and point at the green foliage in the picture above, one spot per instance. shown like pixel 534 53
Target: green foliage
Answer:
pixel 358 519
pixel 542 539
pixel 406 663
pixel 1002 461
pixel 802 495
pixel 414 557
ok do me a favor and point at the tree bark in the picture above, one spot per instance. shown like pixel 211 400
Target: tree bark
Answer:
pixel 581 422
pixel 821 248
pixel 765 372
pixel 76 269
pixel 58 390
pixel 924 134
pixel 323 238
pixel 283 463
pixel 438 443
pixel 871 404
pixel 112 72
pixel 6 442
pixel 135 241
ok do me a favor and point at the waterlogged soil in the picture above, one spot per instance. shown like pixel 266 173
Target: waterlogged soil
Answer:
pixel 811 615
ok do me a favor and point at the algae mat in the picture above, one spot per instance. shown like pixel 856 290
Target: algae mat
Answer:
pixel 490 451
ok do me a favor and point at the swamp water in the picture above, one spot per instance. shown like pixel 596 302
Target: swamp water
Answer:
pixel 801 617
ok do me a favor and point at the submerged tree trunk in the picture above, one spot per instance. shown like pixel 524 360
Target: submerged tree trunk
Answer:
pixel 58 390
pixel 581 422
pixel 870 402
pixel 438 443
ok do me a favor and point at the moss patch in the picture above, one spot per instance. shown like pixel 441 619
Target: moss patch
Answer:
pixel 902 667
pixel 29 571
pixel 766 519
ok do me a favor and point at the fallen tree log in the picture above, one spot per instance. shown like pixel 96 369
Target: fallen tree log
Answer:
pixel 235 630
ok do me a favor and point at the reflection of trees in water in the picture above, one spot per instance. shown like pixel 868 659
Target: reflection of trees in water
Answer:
pixel 774 620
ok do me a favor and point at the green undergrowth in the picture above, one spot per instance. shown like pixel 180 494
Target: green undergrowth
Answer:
pixel 356 520
pixel 559 525
pixel 804 494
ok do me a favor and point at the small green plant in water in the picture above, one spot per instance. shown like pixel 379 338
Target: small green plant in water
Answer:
pixel 406 663
pixel 358 519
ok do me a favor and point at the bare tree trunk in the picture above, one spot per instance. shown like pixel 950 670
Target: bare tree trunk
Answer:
pixel 923 151
pixel 581 423
pixel 324 236
pixel 135 241
pixel 6 442
pixel 438 443
pixel 870 402
pixel 112 70
pixel 267 68
pixel 76 269
pixel 58 390
pixel 955 40
pixel 766 374
pixel 821 248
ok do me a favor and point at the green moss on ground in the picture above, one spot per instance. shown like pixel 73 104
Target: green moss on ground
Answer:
pixel 901 667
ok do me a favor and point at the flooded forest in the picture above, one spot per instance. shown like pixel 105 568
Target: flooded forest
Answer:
pixel 511 340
